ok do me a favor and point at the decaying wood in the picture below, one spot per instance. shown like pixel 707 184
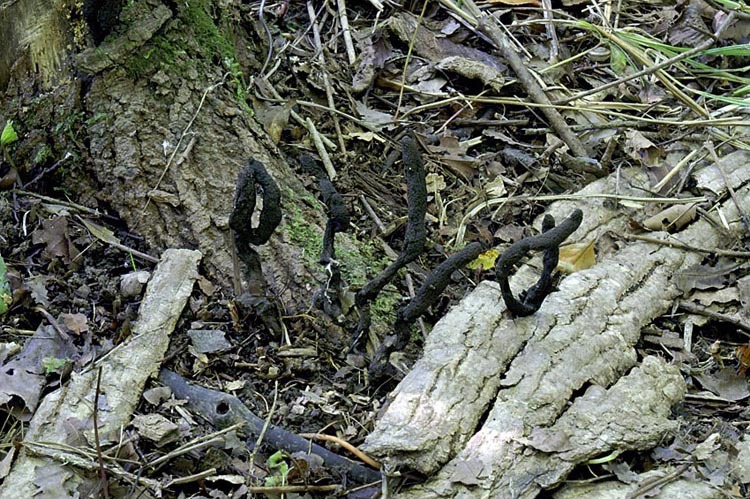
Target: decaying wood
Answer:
pixel 64 421
pixel 518 375
pixel 224 410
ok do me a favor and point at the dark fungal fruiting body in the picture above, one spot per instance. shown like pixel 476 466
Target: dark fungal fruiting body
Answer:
pixel 252 177
pixel 549 241
pixel 414 241
pixel 338 221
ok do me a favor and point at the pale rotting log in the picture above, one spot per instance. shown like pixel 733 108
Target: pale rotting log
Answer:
pixel 519 374
pixel 633 414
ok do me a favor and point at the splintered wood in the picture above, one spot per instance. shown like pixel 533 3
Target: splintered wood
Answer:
pixel 502 407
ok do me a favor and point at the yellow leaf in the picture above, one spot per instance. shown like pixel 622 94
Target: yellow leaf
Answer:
pixel 485 261
pixel 575 257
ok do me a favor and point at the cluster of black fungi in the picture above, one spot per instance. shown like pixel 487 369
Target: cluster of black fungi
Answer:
pixel 254 178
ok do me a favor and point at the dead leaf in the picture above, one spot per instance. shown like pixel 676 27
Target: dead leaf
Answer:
pixel 54 235
pixel 742 353
pixel 575 257
pixel 37 287
pixel 76 323
pixel 485 261
pixel 723 295
pixel 704 276
pixel 464 166
pixel 100 232
pixel 725 383
pixel 274 118
pixel 156 428
pixel 435 182
pixel 22 378
pixel 372 117
pixel 673 218
pixel 496 188
pixel 641 149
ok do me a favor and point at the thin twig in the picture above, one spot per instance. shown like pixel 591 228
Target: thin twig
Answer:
pixel 407 60
pixel 266 85
pixel 102 472
pixel 346 445
pixel 267 422
pixel 743 216
pixel 326 79
pixel 322 152
pixel 269 36
pixel 743 327
pixel 652 68
pixel 372 214
pixel 351 55
pixel 69 204
pixel 680 245
pixel 53 322
pixel 196 444
pixel 549 19
pixel 491 27
pixel 292 489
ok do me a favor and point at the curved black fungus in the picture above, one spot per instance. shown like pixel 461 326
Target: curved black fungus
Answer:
pixel 311 167
pixel 414 241
pixel 431 289
pixel 338 221
pixel 416 234
pixel 338 218
pixel 252 175
pixel 434 285
pixel 549 240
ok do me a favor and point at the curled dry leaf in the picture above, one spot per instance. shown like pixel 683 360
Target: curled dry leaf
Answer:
pixel 641 149
pixel 672 219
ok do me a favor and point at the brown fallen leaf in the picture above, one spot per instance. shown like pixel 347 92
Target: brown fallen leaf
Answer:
pixel 76 323
pixel 54 235
pixel 575 257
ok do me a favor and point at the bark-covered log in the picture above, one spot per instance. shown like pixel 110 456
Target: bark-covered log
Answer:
pixel 519 375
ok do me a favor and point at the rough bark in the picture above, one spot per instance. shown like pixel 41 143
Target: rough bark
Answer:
pixel 161 133
pixel 519 375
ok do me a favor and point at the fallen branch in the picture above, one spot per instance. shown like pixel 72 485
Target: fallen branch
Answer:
pixel 223 410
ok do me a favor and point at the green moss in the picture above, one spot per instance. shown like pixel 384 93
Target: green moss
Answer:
pixel 360 260
pixel 195 33
pixel 301 232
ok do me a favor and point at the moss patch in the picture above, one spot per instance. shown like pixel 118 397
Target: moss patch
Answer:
pixel 193 33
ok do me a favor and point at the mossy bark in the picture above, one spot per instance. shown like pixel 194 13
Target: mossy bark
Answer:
pixel 162 130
